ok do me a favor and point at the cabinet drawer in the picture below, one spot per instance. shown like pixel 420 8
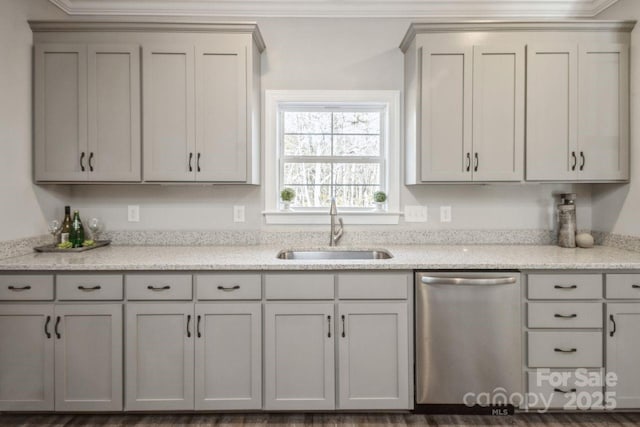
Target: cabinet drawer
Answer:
pixel 159 287
pixel 564 315
pixel 623 286
pixel 228 286
pixel 299 286
pixel 89 287
pixel 26 288
pixel 565 349
pixel 564 286
pixel 372 286
pixel 563 395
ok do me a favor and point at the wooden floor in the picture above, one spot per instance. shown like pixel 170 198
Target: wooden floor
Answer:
pixel 303 420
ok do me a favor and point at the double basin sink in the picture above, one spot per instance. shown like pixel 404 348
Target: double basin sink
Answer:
pixel 347 254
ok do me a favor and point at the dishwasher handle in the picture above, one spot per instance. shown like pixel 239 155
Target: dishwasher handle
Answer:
pixel 487 281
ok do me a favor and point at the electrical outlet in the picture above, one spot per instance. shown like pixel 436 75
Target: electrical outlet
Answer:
pixel 238 214
pixel 133 213
pixel 415 213
pixel 445 213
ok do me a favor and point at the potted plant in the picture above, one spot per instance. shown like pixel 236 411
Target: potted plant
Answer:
pixel 379 199
pixel 287 195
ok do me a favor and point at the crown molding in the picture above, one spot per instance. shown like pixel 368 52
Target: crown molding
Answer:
pixel 553 25
pixel 415 9
pixel 146 26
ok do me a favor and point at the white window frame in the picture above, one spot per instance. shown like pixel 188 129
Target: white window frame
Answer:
pixel 275 99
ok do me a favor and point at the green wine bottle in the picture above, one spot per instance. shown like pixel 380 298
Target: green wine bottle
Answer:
pixel 77 231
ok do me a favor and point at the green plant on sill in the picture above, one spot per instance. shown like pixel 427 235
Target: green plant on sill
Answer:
pixel 379 197
pixel 287 194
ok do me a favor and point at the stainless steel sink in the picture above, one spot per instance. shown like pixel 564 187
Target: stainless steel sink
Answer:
pixel 335 254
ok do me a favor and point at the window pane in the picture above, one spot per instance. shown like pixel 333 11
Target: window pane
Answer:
pixel 356 173
pixel 357 122
pixel 356 145
pixel 356 196
pixel 311 196
pixel 307 173
pixel 307 145
pixel 307 122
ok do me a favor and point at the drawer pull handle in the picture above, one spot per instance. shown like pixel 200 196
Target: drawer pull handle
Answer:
pixel 229 288
pixel 566 286
pixel 329 323
pixel 19 288
pixel 615 327
pixel 90 288
pixel 635 286
pixel 56 327
pixel 561 350
pixel 565 316
pixel 46 328
pixel 198 327
pixel 158 288
pixel 189 326
pixel 559 390
pixel 344 334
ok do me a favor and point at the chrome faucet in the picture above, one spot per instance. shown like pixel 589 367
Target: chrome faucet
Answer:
pixel 336 233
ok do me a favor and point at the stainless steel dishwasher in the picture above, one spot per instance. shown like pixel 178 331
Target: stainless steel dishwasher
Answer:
pixel 468 336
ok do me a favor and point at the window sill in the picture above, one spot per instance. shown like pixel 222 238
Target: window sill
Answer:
pixel 316 218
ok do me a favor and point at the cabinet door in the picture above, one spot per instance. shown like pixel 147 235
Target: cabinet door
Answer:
pixel 498 113
pixel 60 104
pixel 299 357
pixel 26 357
pixel 88 357
pixel 446 113
pixel 623 352
pixel 159 356
pixel 228 356
pixel 604 112
pixel 221 96
pixel 168 113
pixel 373 356
pixel 552 112
pixel 114 112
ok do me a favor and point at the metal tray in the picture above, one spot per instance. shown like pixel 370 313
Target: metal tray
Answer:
pixel 54 248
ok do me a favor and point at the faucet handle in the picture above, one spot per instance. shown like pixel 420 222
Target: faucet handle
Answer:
pixel 334 209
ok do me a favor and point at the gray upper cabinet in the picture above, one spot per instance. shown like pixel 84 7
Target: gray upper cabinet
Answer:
pixel 26 357
pixel 87 112
pixel 169 113
pixel 471 113
pixel 470 101
pixel 186 109
pixel 578 112
pixel 60 106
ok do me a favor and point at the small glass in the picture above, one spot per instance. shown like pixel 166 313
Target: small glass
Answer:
pixel 95 226
pixel 54 229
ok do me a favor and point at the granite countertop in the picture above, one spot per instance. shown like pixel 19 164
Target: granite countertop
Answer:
pixel 155 258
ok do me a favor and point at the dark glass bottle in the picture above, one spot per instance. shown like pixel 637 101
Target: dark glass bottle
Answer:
pixel 65 231
pixel 77 231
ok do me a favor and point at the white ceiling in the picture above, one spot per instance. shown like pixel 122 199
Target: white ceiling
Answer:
pixel 341 8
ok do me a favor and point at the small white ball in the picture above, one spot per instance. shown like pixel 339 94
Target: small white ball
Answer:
pixel 584 240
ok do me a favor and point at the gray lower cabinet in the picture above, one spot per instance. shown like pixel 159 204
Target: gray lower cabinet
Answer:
pixel 373 356
pixel 299 356
pixel 623 352
pixel 228 356
pixel 26 357
pixel 159 356
pixel 88 357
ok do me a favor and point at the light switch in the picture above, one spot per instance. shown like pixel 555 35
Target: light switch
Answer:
pixel 238 214
pixel 133 213
pixel 415 213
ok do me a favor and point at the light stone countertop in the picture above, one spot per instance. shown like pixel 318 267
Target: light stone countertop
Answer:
pixel 263 258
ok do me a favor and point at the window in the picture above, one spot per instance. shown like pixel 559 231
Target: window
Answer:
pixel 332 152
pixel 332 144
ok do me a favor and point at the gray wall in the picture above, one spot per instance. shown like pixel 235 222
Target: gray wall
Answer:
pixel 301 54
pixel 616 208
pixel 25 208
